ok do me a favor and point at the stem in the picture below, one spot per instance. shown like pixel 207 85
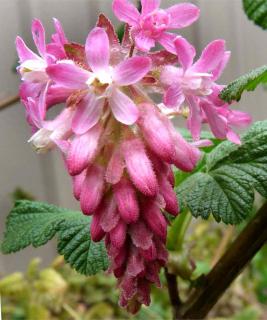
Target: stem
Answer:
pixel 8 102
pixel 239 254
pixel 173 294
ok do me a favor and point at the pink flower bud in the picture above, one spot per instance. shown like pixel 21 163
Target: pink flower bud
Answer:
pixel 97 233
pixel 115 168
pixel 126 200
pixel 155 219
pixel 169 195
pixel 118 234
pixel 92 189
pixel 156 133
pixel 109 214
pixel 83 150
pixel 77 182
pixel 150 254
pixel 139 167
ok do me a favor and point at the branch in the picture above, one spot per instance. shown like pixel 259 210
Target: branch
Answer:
pixel 8 102
pixel 239 254
pixel 173 293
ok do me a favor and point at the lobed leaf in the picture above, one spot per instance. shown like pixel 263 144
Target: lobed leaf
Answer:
pixel 35 223
pixel 225 185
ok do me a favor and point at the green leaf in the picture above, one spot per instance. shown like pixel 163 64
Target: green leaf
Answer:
pixel 256 10
pixel 225 186
pixel 35 223
pixel 249 82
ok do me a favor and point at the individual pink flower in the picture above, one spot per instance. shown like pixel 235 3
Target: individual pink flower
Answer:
pixel 194 84
pixel 151 25
pixel 102 83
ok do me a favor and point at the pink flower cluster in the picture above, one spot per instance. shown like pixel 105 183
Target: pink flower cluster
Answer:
pixel 118 145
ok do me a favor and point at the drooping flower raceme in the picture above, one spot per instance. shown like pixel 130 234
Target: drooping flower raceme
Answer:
pixel 118 145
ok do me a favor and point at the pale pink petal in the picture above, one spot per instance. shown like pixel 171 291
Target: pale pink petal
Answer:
pixel 83 150
pixel 142 41
pixel 87 113
pixel 233 137
pixel 141 235
pixel 126 199
pixel 239 119
pixel 183 15
pixel 139 167
pixel 169 75
pixel 38 34
pixel 131 70
pixel 167 41
pixel 149 5
pixel 195 118
pixel 185 52
pixel 68 75
pixel 126 12
pixel 123 108
pixel 221 66
pixel 97 49
pixel 92 189
pixel 218 123
pixel 135 263
pixel 60 32
pixel 211 57
pixel 174 97
pixel 115 167
pixel 24 52
pixel 202 143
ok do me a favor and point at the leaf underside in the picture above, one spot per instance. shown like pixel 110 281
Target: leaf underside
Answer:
pixel 35 223
pixel 247 82
pixel 226 185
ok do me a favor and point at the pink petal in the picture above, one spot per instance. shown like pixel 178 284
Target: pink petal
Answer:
pixel 142 41
pixel 135 263
pixel 218 123
pixel 97 50
pixel 126 12
pixel 185 52
pixel 211 57
pixel 169 195
pixel 38 34
pixel 60 32
pixel 233 137
pixel 195 118
pixel 87 113
pixel 83 150
pixel 115 168
pixel 174 97
pixel 123 108
pixel 24 52
pixel 140 167
pixel 131 70
pixel 126 199
pixel 161 58
pixel 221 66
pixel 169 75
pixel 92 189
pixel 167 41
pixel 239 119
pixel 149 5
pixel 68 75
pixel 183 15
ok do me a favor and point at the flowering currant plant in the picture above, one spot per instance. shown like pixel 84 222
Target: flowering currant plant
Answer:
pixel 132 171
